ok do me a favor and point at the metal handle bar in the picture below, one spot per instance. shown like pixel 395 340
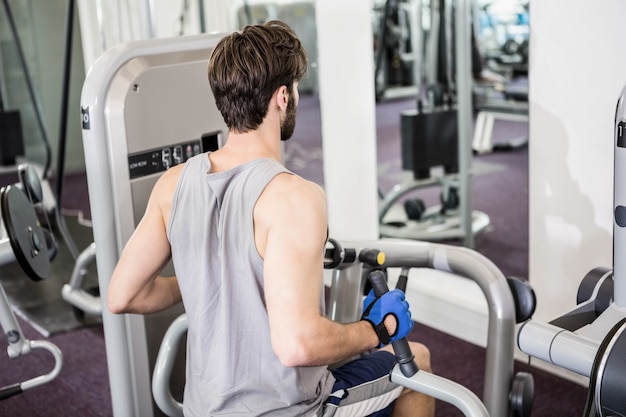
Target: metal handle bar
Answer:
pixel 404 356
pixel 463 262
pixel 429 384
pixel 74 293
pixel 442 389
pixel 336 256
pixel 18 388
pixel 164 365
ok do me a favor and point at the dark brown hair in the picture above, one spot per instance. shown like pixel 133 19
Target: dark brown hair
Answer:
pixel 247 67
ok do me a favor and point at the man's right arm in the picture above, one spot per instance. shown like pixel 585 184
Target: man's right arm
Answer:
pixel 290 231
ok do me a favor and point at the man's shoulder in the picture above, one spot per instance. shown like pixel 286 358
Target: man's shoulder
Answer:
pixel 291 204
pixel 288 195
pixel 171 175
pixel 166 185
pixel 290 183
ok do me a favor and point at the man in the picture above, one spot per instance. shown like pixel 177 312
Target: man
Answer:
pixel 247 239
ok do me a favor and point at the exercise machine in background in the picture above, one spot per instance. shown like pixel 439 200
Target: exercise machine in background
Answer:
pixel 436 134
pixel 590 340
pixel 398 47
pixel 22 239
pixel 50 203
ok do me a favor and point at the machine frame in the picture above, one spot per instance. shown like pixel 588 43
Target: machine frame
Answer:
pixel 129 107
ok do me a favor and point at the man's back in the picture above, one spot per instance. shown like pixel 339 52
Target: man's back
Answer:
pixel 231 366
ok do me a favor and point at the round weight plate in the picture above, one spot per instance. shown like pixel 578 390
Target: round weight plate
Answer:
pixel 25 234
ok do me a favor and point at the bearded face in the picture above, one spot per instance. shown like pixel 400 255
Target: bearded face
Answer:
pixel 288 124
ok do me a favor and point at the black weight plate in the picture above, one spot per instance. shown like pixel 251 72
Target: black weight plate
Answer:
pixel 25 234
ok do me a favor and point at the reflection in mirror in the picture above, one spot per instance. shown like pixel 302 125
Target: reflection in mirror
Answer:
pixel 416 77
pixel 502 38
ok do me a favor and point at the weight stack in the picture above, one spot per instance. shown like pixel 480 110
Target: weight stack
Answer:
pixel 429 140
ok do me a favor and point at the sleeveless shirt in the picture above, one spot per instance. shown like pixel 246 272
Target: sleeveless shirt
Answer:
pixel 231 368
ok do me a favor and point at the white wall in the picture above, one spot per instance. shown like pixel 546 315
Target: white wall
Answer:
pixel 577 70
pixel 348 114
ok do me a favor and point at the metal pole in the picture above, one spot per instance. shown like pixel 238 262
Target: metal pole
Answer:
pixel 417 43
pixel 60 168
pixel 432 44
pixel 202 18
pixel 67 70
pixel 464 114
pixel 619 202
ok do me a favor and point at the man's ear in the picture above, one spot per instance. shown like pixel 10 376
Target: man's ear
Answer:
pixel 282 97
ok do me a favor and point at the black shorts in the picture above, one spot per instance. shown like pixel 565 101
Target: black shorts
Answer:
pixel 363 387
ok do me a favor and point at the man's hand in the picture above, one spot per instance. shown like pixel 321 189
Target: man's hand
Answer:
pixel 379 311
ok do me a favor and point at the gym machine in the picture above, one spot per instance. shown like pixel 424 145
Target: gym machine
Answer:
pixel 22 239
pixel 50 203
pixel 137 123
pixel 398 50
pixel 590 340
pixel 436 134
pixel 352 263
pixel 145 106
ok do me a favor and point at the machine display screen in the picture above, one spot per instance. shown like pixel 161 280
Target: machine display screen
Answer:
pixel 160 160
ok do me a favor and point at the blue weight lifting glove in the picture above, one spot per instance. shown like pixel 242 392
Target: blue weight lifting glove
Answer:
pixel 375 309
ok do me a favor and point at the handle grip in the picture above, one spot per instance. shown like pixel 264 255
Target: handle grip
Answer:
pixel 10 391
pixel 403 279
pixel 404 356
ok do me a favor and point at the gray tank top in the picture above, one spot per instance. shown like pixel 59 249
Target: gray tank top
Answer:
pixel 231 367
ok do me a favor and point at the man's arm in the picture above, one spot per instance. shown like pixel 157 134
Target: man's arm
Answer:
pixel 136 286
pixel 290 231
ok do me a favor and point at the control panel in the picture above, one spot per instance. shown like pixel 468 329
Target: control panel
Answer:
pixel 159 160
